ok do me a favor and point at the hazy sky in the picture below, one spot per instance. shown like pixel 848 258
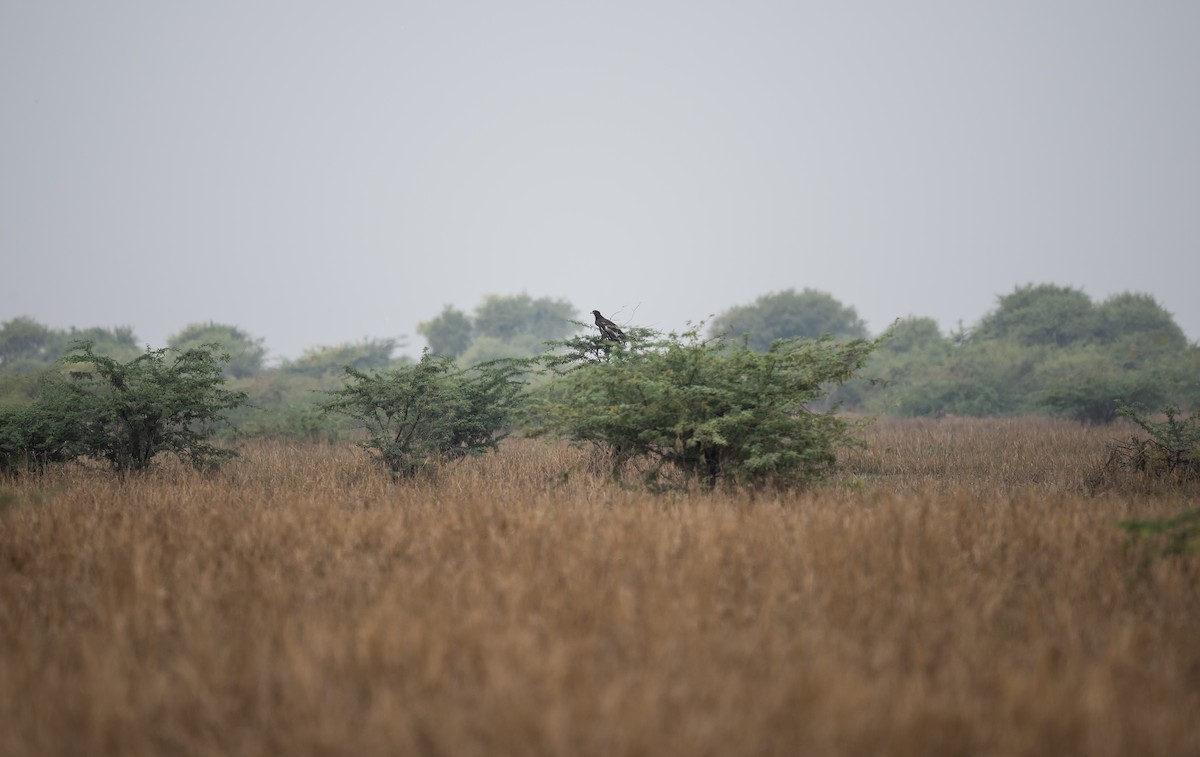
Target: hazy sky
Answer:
pixel 318 173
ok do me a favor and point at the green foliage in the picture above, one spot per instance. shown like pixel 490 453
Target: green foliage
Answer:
pixel 809 314
pixel 1094 400
pixel 909 335
pixel 1087 385
pixel 1045 314
pixel 1171 453
pixel 487 348
pixel 985 379
pixel 507 318
pixel 32 437
pixel 1138 317
pixel 419 415
pixel 18 388
pixel 23 340
pixel 245 354
pixel 1175 441
pixel 707 411
pixel 128 413
pixel 27 346
pixel 448 334
pixel 502 327
pixel 283 404
pixel 1046 349
pixel 367 355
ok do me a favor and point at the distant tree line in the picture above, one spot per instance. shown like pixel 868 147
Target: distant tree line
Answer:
pixel 1043 349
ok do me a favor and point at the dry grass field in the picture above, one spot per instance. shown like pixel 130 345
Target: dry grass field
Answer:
pixel 957 589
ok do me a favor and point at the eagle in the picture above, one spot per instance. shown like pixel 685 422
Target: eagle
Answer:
pixel 608 329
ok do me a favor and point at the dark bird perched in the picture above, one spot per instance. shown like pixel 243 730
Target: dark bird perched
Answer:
pixel 608 329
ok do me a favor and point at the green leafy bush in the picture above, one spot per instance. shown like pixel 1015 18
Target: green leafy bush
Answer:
pixel 31 437
pixel 418 415
pixel 1088 385
pixel 128 413
pixel 708 411
pixel 1172 449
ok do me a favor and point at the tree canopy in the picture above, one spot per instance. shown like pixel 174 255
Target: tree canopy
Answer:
pixel 246 354
pixel 28 346
pixel 810 314
pixel 369 354
pixel 448 334
pixel 501 326
pixel 126 413
pixel 1045 314
pixel 681 409
pixel 420 415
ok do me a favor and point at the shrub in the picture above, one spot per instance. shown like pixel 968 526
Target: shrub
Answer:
pixel 707 411
pixel 31 438
pixel 419 415
pixel 165 400
pixel 1172 450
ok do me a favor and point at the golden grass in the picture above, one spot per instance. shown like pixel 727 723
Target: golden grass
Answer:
pixel 956 590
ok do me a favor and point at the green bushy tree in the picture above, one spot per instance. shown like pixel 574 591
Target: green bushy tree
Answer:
pixel 511 317
pixel 369 354
pixel 1045 314
pixel 33 436
pixel 27 346
pixel 285 404
pixel 118 343
pixel 1139 317
pixel 1044 349
pixel 419 415
pixel 709 411
pixel 246 354
pixel 809 314
pixel 128 413
pixel 501 327
pixel 979 379
pixel 1088 385
pixel 23 340
pixel 913 334
pixel 448 334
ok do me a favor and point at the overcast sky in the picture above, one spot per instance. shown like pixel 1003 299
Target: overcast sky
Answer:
pixel 317 173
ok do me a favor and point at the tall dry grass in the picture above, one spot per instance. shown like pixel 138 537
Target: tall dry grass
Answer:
pixel 957 590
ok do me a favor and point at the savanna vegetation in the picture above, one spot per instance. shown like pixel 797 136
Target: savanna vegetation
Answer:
pixel 959 586
pixel 652 544
pixel 1044 349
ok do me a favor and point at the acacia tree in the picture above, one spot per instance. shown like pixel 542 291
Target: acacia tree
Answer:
pixel 419 415
pixel 32 438
pixel 128 413
pixel 708 411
